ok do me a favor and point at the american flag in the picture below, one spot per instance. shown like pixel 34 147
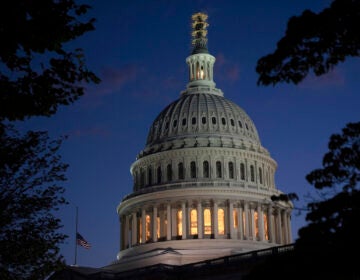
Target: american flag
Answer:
pixel 82 242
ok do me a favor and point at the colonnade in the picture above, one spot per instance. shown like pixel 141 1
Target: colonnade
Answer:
pixel 205 219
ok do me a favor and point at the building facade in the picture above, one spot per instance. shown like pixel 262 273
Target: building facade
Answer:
pixel 203 183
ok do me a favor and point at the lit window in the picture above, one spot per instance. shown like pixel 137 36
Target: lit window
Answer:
pixel 221 221
pixel 148 227
pixel 193 222
pixel 140 230
pixel 179 222
pixel 235 218
pixel 256 219
pixel 207 221
pixel 266 228
pixel 157 227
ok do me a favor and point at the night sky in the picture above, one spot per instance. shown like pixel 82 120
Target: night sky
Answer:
pixel 138 50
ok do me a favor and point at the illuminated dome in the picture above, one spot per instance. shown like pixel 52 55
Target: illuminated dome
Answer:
pixel 203 182
pixel 201 119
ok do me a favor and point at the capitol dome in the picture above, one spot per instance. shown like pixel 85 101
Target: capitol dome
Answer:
pixel 202 118
pixel 203 182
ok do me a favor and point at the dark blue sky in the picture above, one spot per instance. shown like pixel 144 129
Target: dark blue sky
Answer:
pixel 138 50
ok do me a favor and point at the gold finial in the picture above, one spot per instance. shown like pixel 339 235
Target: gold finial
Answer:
pixel 199 32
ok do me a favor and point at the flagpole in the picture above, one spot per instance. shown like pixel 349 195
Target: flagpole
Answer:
pixel 76 231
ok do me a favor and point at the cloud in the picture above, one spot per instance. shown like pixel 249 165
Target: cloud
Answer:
pixel 333 78
pixel 92 131
pixel 114 79
pixel 229 70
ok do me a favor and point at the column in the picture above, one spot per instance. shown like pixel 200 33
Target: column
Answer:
pixel 155 223
pixel 289 227
pixel 183 222
pixel 199 218
pixel 270 225
pixel 284 227
pixel 126 233
pixel 261 222
pixel 279 233
pixel 252 223
pixel 241 223
pixel 231 220
pixel 133 229
pixel 168 221
pixel 247 224
pixel 143 226
pixel 215 216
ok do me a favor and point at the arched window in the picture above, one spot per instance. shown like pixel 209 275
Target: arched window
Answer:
pixel 147 228
pixel 149 175
pixel 231 170
pixel 179 222
pixel 218 169
pixel 213 119
pixel 181 170
pixel 242 171
pixel 193 222
pixel 203 120
pixel 193 120
pixel 221 221
pixel 169 172
pixel 159 174
pixel 207 221
pixel 223 121
pixel 193 169
pixel 260 176
pixel 252 173
pixel 206 169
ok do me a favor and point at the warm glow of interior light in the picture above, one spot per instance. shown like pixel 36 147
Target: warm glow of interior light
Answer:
pixel 147 227
pixel 256 219
pixel 221 221
pixel 266 229
pixel 179 222
pixel 140 231
pixel 207 221
pixel 235 218
pixel 193 222
pixel 157 227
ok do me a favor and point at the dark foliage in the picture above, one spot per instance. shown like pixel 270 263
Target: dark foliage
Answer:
pixel 326 246
pixel 313 42
pixel 37 71
pixel 30 170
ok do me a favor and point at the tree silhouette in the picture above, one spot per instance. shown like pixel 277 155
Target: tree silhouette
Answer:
pixel 39 71
pixel 30 170
pixel 313 42
pixel 326 246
